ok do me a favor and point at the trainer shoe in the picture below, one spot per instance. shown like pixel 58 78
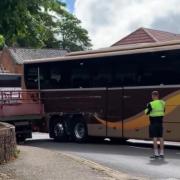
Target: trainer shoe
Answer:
pixel 161 156
pixel 154 157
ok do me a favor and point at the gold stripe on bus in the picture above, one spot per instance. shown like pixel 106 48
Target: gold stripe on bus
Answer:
pixel 141 120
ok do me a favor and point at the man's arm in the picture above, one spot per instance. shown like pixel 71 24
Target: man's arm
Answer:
pixel 148 109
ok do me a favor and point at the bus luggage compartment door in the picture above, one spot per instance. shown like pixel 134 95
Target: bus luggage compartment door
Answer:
pixel 135 122
pixel 114 112
pixel 172 113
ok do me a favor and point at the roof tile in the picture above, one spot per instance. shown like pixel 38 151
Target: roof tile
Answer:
pixel 145 35
pixel 21 55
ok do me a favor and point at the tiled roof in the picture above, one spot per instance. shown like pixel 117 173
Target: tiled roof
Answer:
pixel 145 35
pixel 116 51
pixel 21 55
pixel 162 36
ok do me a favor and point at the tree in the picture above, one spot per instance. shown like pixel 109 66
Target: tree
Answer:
pixel 72 36
pixel 1 41
pixel 33 23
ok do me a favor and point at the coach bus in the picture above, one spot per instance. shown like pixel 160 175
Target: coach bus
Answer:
pixel 104 93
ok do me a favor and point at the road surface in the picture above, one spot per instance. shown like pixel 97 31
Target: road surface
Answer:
pixel 131 158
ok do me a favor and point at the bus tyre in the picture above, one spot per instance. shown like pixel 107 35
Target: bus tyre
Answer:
pixel 79 131
pixel 59 131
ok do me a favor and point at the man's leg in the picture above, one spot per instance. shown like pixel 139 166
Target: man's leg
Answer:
pixel 161 146
pixel 155 145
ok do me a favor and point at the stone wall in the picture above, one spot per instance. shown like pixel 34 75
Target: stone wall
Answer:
pixel 7 142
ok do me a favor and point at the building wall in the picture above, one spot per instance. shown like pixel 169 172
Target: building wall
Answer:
pixel 9 64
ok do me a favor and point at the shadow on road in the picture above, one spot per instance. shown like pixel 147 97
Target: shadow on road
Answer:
pixel 158 162
pixel 105 148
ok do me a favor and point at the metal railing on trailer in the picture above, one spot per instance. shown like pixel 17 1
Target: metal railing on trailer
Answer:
pixel 21 108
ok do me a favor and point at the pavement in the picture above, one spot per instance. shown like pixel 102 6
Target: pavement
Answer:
pixel 42 164
pixel 131 158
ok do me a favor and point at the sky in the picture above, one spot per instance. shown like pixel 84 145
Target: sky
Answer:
pixel 107 21
pixel 70 4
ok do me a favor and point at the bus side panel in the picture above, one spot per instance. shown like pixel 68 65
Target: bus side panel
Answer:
pixel 172 117
pixel 172 131
pixel 90 103
pixel 114 112
pixel 136 123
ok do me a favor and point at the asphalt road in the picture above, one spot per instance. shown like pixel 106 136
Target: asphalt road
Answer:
pixel 131 158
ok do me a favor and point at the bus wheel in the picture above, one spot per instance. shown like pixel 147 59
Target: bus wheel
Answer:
pixel 59 131
pixel 80 131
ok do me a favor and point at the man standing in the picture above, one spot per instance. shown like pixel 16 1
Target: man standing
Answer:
pixel 156 111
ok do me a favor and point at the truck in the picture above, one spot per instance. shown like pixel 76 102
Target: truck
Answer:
pixel 21 108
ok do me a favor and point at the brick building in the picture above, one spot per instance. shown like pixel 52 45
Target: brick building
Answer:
pixel 12 59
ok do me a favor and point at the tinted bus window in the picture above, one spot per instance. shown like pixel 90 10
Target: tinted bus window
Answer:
pixel 124 72
pixel 158 70
pixel 31 77
pixel 130 70
pixel 53 75
pixel 101 74
pixel 80 76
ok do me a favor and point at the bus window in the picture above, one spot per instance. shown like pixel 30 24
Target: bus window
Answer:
pixel 101 73
pixel 102 80
pixel 31 76
pixel 124 73
pixel 171 70
pixel 117 80
pixel 80 77
pixel 55 77
pixel 158 71
pixel 45 78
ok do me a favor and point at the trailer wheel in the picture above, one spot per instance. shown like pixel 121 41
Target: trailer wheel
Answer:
pixel 59 131
pixel 20 139
pixel 79 131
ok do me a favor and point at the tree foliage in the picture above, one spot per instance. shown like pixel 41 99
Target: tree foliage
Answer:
pixel 1 41
pixel 41 23
pixel 73 37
